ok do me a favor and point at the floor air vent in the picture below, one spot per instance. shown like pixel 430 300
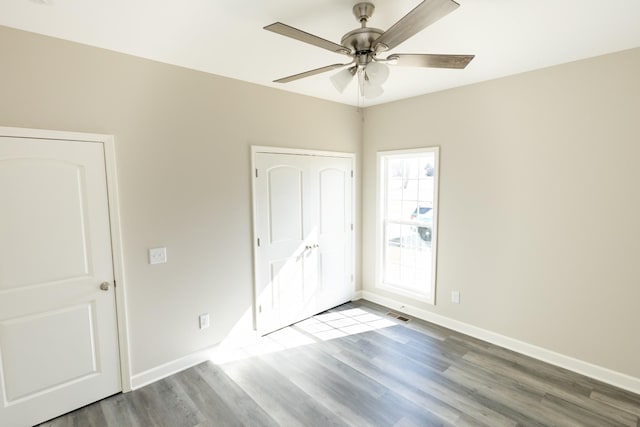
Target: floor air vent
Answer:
pixel 397 316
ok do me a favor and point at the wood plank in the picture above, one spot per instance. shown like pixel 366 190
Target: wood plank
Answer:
pixel 402 377
pixel 337 385
pixel 118 410
pixel 244 408
pixel 619 399
pixel 276 394
pixel 494 371
pixel 376 371
pixel 573 415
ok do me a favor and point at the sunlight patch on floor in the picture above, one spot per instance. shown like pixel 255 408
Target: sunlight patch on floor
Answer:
pixel 322 327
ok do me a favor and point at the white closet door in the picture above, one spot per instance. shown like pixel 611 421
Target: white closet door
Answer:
pixel 332 179
pixel 303 225
pixel 58 336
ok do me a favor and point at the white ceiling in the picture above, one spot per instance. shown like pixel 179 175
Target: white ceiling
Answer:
pixel 225 37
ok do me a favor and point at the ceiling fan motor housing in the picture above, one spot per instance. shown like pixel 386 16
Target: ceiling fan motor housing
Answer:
pixel 361 40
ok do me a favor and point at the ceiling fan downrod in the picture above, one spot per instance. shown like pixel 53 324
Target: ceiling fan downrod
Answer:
pixel 363 11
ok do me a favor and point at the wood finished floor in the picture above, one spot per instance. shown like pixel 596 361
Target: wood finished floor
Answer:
pixel 357 366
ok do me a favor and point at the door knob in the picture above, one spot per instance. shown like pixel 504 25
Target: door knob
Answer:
pixel 104 286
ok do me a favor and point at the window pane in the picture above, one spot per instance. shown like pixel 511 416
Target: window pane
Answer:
pixel 394 189
pixel 394 210
pixel 425 190
pixel 427 165
pixel 409 210
pixel 408 198
pixel 407 257
pixel 395 168
pixel 412 166
pixel 410 190
pixel 393 233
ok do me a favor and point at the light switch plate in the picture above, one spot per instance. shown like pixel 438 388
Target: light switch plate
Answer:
pixel 455 297
pixel 157 255
pixel 203 319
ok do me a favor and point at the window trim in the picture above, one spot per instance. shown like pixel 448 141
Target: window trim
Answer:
pixel 429 297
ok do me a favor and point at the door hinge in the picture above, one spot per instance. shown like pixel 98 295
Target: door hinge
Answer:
pixel 258 242
pixel 351 174
pixel 351 227
pixel 259 309
pixel 256 172
pixel 114 283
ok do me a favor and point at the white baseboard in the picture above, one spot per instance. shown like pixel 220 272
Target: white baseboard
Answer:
pixel 159 372
pixel 220 352
pixel 606 375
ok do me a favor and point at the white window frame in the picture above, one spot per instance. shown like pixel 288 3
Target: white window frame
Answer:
pixel 429 296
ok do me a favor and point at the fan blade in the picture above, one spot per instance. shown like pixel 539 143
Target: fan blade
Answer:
pixel 302 36
pixel 423 15
pixel 309 73
pixel 431 61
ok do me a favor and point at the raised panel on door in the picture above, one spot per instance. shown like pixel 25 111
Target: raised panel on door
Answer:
pixel 26 339
pixel 285 208
pixel 58 336
pixel 44 213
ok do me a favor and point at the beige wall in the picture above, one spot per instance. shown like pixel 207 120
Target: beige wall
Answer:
pixel 538 197
pixel 539 204
pixel 183 152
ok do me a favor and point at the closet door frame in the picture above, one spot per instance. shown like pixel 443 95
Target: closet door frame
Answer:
pixel 255 149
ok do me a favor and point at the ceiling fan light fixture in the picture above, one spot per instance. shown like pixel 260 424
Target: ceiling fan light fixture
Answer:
pixel 342 78
pixel 366 88
pixel 377 73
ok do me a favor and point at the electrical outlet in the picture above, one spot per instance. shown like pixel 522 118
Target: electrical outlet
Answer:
pixel 157 255
pixel 455 297
pixel 204 320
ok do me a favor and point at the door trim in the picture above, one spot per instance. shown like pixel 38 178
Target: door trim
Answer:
pixel 255 149
pixel 108 143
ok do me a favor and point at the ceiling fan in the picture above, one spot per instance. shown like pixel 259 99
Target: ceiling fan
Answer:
pixel 364 44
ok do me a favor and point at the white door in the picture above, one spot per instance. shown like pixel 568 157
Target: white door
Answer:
pixel 58 336
pixel 304 255
pixel 335 230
